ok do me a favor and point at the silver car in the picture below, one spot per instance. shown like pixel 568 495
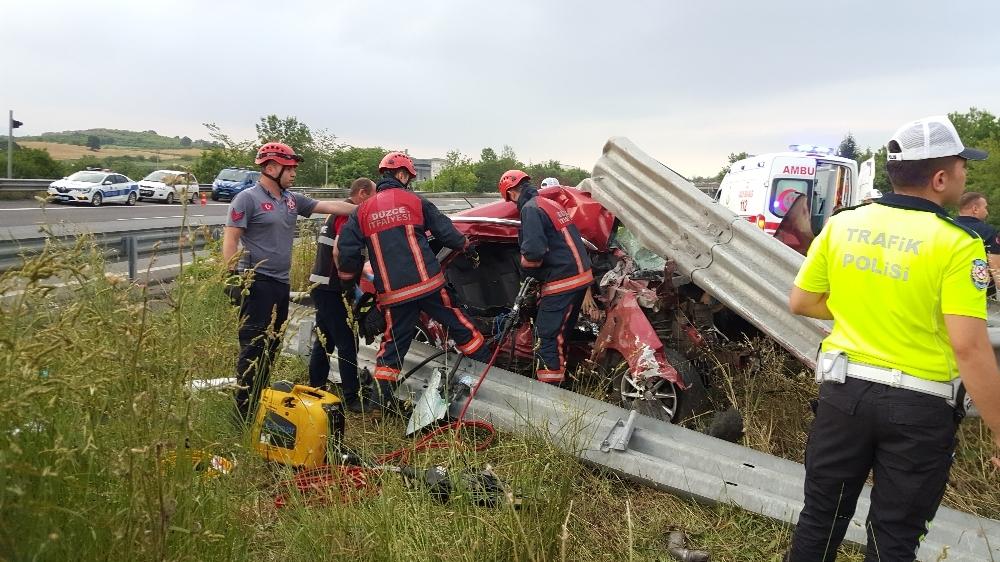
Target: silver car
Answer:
pixel 168 186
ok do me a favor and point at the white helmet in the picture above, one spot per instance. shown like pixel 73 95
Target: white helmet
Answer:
pixel 549 182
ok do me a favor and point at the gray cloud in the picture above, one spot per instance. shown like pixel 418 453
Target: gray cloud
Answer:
pixel 689 82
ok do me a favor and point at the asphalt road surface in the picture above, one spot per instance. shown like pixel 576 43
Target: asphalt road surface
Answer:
pixel 23 219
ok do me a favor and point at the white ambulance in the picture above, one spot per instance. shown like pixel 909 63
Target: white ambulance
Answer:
pixel 762 188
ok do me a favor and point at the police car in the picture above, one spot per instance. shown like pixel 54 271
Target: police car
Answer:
pixel 763 188
pixel 94 187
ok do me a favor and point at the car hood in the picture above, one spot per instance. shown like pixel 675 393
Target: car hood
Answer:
pixel 227 183
pixel 73 184
pixel 500 221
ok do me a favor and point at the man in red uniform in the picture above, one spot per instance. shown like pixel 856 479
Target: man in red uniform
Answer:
pixel 408 278
pixel 552 252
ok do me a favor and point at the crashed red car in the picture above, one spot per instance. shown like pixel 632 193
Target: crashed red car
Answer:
pixel 645 349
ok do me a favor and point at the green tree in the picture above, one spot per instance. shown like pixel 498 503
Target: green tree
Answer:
pixel 186 142
pixel 733 158
pixel 94 142
pixel 848 147
pixel 349 163
pixel 975 127
pixel 32 163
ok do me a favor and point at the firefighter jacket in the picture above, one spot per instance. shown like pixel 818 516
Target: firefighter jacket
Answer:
pixel 392 224
pixel 324 272
pixel 551 247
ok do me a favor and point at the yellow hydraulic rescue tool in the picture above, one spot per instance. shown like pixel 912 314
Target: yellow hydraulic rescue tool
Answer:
pixel 297 425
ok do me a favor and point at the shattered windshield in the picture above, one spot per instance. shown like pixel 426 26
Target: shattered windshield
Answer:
pixel 643 258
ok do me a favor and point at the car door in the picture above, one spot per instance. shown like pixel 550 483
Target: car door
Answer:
pixel 119 188
pixel 190 187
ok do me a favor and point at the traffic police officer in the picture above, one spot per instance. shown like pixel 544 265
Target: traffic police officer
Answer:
pixel 263 220
pixel 553 252
pixel 905 286
pixel 331 311
pixel 408 278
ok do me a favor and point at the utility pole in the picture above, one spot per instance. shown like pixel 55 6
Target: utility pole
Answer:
pixel 326 173
pixel 10 145
pixel 11 125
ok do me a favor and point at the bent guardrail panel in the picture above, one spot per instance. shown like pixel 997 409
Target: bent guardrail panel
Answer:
pixel 675 459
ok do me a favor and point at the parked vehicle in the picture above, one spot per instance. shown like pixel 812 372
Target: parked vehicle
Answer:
pixel 762 189
pixel 231 181
pixel 94 187
pixel 168 186
pixel 648 349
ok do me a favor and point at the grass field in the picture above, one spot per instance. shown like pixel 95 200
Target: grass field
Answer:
pixel 59 151
pixel 97 428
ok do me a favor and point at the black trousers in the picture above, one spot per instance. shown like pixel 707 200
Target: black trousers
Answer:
pixel 557 315
pixel 905 438
pixel 262 315
pixel 332 323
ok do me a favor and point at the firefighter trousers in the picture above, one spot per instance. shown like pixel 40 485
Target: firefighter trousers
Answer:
pixel 334 334
pixel 905 438
pixel 262 315
pixel 557 315
pixel 401 324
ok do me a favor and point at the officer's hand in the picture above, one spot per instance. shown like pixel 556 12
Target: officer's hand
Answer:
pixel 473 256
pixel 233 288
pixel 347 286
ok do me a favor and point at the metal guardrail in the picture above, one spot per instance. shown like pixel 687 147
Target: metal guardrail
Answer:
pixel 675 459
pixel 123 245
pixel 736 262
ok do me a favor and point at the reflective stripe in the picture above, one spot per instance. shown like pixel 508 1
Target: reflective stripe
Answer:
pixel 525 262
pixel 324 240
pixel 572 247
pixel 319 279
pixel 386 373
pixel 377 248
pixel 386 334
pixel 472 345
pixel 567 284
pixel 418 257
pixel 392 297
pixel 546 375
pixel 446 299
pixel 345 275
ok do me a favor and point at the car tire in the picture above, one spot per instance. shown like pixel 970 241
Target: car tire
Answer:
pixel 170 199
pixel 215 197
pixel 673 404
pixel 97 199
pixel 132 198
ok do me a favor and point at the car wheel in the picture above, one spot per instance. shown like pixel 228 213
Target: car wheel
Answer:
pixel 170 199
pixel 215 197
pixel 656 397
pixel 132 198
pixel 97 200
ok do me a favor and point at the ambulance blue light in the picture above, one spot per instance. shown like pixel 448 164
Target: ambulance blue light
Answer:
pixel 810 148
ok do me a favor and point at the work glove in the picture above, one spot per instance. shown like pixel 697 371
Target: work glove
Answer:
pixel 473 256
pixel 233 287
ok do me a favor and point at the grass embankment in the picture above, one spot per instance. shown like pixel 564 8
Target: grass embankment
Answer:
pixel 94 403
pixel 60 151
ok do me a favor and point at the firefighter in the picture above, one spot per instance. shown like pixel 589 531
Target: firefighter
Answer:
pixel 392 225
pixel 331 310
pixel 262 219
pixel 906 288
pixel 552 252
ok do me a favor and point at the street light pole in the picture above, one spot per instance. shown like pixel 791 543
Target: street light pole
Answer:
pixel 10 145
pixel 326 173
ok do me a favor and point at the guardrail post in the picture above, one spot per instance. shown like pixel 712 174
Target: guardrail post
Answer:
pixel 131 250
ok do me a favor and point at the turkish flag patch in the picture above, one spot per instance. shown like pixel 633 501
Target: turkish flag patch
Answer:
pixel 267 206
pixel 237 216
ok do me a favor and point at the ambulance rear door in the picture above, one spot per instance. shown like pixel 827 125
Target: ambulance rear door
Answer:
pixel 791 177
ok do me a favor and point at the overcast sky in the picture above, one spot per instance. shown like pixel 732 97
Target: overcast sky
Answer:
pixel 689 82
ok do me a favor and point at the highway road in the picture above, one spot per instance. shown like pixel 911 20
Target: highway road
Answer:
pixel 22 219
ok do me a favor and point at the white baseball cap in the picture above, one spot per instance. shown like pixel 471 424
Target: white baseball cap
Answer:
pixel 549 181
pixel 930 137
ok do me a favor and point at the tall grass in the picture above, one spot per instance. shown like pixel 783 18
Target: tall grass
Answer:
pixel 98 429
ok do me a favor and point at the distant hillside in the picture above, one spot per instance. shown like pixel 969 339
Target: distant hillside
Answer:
pixel 144 139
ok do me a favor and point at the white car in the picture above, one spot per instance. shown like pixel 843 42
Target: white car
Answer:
pixel 95 188
pixel 169 186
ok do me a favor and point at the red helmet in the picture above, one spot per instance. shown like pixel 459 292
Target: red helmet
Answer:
pixel 509 180
pixel 396 160
pixel 280 153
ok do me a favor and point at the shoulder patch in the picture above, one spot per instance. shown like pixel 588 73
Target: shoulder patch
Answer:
pixel 980 274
